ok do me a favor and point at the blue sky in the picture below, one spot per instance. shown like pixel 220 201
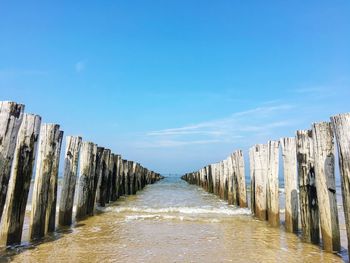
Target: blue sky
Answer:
pixel 177 84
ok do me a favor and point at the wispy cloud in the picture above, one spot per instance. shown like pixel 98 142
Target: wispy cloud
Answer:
pixel 237 126
pixel 80 66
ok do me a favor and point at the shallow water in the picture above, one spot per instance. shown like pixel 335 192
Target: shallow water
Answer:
pixel 171 221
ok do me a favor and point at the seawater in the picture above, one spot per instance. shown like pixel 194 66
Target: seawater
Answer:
pixel 171 221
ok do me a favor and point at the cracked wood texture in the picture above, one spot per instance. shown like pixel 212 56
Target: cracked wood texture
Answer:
pixel 341 125
pixel 101 195
pixel 241 184
pixel 19 184
pixel 260 173
pixel 289 157
pixel 50 221
pixel 70 172
pixel 309 213
pixel 273 183
pixel 95 180
pixel 323 145
pixel 86 172
pixel 11 115
pixel 252 179
pixel 50 140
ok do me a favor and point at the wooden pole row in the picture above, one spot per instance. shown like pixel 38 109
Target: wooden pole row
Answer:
pixel 225 179
pixel 309 181
pixel 102 176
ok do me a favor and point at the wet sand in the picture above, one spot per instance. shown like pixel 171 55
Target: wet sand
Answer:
pixel 171 221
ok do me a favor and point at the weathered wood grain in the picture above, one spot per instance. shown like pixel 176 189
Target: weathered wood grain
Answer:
pixel 19 184
pixel 50 139
pixel 11 115
pixel 70 172
pixel 309 213
pixel 323 148
pixel 289 157
pixel 341 125
pixel 273 183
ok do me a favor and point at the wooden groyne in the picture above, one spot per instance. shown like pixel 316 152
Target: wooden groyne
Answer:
pixel 92 173
pixel 308 161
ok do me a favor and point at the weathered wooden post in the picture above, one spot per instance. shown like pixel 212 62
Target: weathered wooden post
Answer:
pixel 210 179
pixel 323 147
pixel 289 157
pixel 341 125
pixel 119 175
pixel 19 184
pixel 115 172
pixel 69 180
pixel 50 222
pixel 309 213
pixel 252 179
pixel 221 179
pixel 50 139
pixel 109 178
pixel 95 179
pixel 11 115
pixel 86 171
pixel 217 179
pixel 230 173
pixel 242 192
pixel 102 185
pixel 235 188
pixel 260 164
pixel 132 178
pixel 273 183
pixel 125 177
pixel 225 172
pixel 122 178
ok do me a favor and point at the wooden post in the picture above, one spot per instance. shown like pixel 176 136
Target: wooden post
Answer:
pixel 240 169
pixel 125 177
pixel 69 180
pixel 19 184
pixel 289 157
pixel 252 179
pixel 273 183
pixel 114 181
pixel 86 171
pixel 102 185
pixel 132 177
pixel 325 185
pixel 341 125
pixel 95 179
pixel 230 186
pixel 122 178
pixel 109 178
pixel 221 179
pixel 260 163
pixel 217 179
pixel 210 179
pixel 118 179
pixel 235 190
pixel 11 115
pixel 309 214
pixel 50 139
pixel 52 193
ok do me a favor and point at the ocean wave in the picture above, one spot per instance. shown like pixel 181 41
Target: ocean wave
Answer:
pixel 169 217
pixel 182 210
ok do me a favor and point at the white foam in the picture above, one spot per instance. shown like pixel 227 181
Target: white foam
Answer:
pixel 182 210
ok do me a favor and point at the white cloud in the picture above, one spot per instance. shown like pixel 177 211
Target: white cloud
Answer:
pixel 232 129
pixel 80 66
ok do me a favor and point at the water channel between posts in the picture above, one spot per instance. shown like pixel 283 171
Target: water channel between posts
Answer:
pixel 172 221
